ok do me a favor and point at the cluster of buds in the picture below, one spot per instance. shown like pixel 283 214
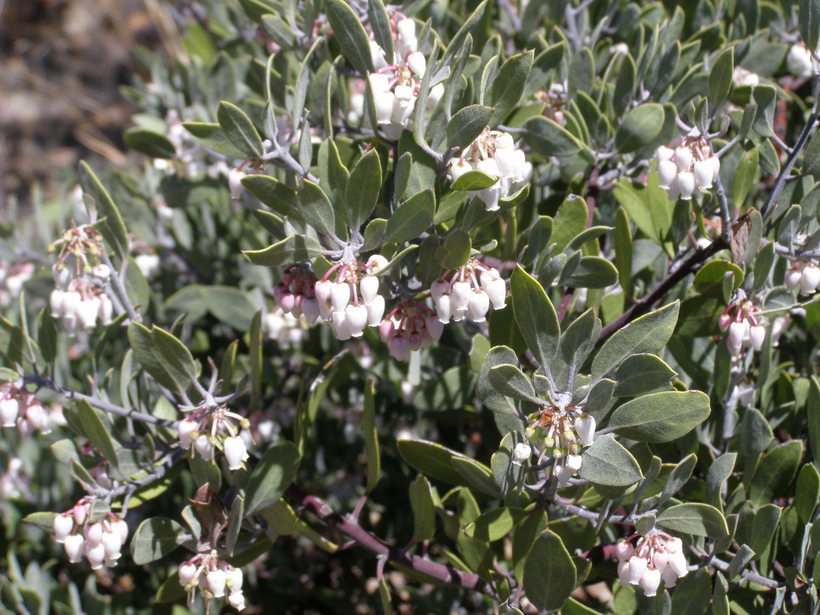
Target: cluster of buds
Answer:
pixel 12 480
pixel 351 301
pixel 396 83
pixel 12 278
pixel 555 101
pixel 469 292
pixel 409 327
pixel 22 409
pixel 805 276
pixel 295 293
pixel 283 328
pixel 655 557
pixel 213 577
pixel 560 432
pixel 208 428
pixel 100 542
pixel 799 61
pixel 744 325
pixel 493 153
pixel 80 297
pixel 689 166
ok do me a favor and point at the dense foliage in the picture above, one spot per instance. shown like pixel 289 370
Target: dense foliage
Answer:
pixel 498 307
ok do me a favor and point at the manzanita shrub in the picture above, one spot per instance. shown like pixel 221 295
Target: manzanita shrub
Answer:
pixel 497 307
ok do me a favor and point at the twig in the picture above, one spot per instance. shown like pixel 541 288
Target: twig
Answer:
pixel 102 404
pixel 281 157
pixel 118 287
pixel 434 570
pixel 797 254
pixel 642 306
pixel 786 169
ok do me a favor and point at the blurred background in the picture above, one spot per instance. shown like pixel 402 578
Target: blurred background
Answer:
pixel 62 63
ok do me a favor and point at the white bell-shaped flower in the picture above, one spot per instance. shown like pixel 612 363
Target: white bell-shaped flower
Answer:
pixel 216 582
pixel 237 600
pixel 356 316
pixel 9 408
pixel 637 566
pixel 235 452
pixel 479 304
pixel 233 578
pixel 757 335
pixel 63 524
pixel 686 184
pixel 667 172
pixel 650 581
pixel 204 447
pixel 55 301
pixel 185 429
pixel 683 158
pixel 235 177
pixel 417 63
pixel 585 428
pixel 95 554
pixel 340 295
pixel 93 533
pixel 375 311
pixel 809 278
pixel 369 287
pixel 74 547
pixel 187 573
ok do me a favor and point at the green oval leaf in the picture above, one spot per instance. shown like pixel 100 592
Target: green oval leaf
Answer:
pixel 660 417
pixel 271 476
pixel 639 127
pixel 549 572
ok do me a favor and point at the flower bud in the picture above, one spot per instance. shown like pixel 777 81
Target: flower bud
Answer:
pixel 444 308
pixel 186 428
pixel 216 582
pixel 356 316
pixel 637 567
pixel 322 291
pixel 682 158
pixel 686 184
pixel 233 577
pixel 667 171
pixel 187 573
pixel 660 559
pixel 112 544
pixel 93 534
pixel 63 524
pixel 809 278
pixel 8 412
pixel 573 463
pixel 650 581
pixel 792 279
pixel 458 168
pixel 377 55
pixel 95 554
pixel 624 550
pixel 521 453
pixel 376 263
pixel 434 327
pixel 237 600
pixel 204 447
pixel 399 348
pixel 340 295
pixel 417 63
pixel 369 287
pixel 235 452
pixel 55 301
pixel 757 335
pixel 375 311
pixel 737 332
pixel 235 177
pixel 479 304
pixel 585 428
pixel 73 545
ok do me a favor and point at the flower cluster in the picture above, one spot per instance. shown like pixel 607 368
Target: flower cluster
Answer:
pixel 799 61
pixel 206 429
pixel 744 325
pixel 100 542
pixel 12 278
pixel 396 83
pixel 493 153
pixel 805 276
pixel 80 297
pixel 213 577
pixel 295 293
pixel 22 409
pixel 689 166
pixel 409 327
pixel 655 557
pixel 283 328
pixel 351 301
pixel 560 432
pixel 469 292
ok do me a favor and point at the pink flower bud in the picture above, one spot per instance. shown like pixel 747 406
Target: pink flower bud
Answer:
pixel 399 348
pixel 434 327
pixel 439 288
pixel 724 321
pixel 310 310
pixel 386 329
pixel 624 550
